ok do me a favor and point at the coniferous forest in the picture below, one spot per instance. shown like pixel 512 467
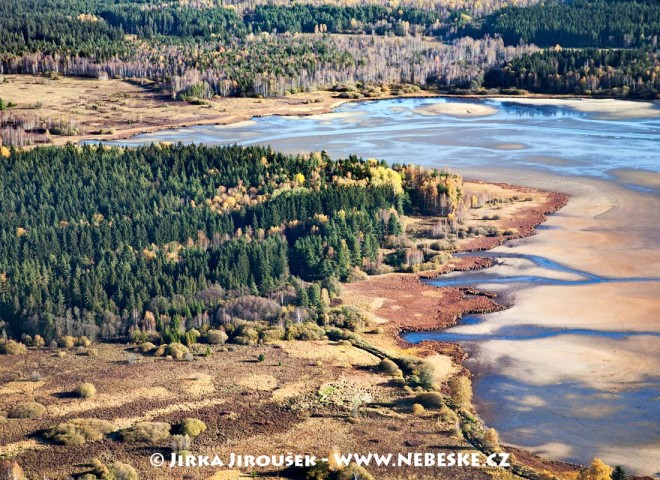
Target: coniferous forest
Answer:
pixel 92 238
pixel 581 71
pixel 578 24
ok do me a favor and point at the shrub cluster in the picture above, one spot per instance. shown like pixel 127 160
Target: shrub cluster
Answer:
pixel 147 347
pixel 177 351
pixel 417 409
pixel 193 427
pixel 85 390
pixel 429 400
pixel 388 367
pixel 304 331
pixel 461 390
pixel 216 337
pixel 27 410
pixel 114 471
pixel 66 341
pixel 36 341
pixel 80 430
pixel 153 433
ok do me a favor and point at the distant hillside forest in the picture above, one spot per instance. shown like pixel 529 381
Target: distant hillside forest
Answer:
pixel 93 238
pixel 257 49
pixel 578 24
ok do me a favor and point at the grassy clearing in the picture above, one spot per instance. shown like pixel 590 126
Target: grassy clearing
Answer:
pixel 114 108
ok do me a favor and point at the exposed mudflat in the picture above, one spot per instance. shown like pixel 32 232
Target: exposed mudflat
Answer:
pixel 606 108
pixel 571 369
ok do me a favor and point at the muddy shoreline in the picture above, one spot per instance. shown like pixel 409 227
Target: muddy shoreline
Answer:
pixel 486 302
pixel 525 223
pixel 461 301
pixel 427 311
pixel 116 110
pixel 455 301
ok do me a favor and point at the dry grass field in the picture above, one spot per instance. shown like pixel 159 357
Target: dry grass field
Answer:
pixel 249 406
pixel 118 109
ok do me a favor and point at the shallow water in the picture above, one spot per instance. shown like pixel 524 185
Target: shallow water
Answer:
pixel 490 276
pixel 565 381
pixel 516 333
pixel 558 139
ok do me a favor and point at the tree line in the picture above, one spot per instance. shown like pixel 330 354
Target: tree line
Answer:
pixel 57 28
pixel 175 21
pixel 367 18
pixel 192 52
pixel 617 73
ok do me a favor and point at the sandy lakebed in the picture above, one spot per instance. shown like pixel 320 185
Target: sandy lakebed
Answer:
pixel 604 230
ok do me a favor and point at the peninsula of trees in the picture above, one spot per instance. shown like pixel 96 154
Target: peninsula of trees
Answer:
pixel 164 239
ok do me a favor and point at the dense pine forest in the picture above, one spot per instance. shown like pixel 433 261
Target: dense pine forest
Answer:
pixel 578 24
pixel 251 48
pixel 104 242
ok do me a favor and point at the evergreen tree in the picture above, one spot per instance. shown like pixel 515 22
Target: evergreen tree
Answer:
pixel 619 473
pixel 393 226
pixel 303 298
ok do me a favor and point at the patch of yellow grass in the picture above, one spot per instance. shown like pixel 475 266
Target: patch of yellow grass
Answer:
pixel 258 382
pixel 314 434
pixel 330 353
pixel 105 400
pixel 443 367
pixel 13 449
pixel 161 412
pixel 227 475
pixel 197 385
pixel 289 390
pixel 115 108
pixel 368 305
pixel 20 388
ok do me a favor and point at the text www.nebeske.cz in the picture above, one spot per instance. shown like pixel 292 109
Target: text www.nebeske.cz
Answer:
pixel 416 459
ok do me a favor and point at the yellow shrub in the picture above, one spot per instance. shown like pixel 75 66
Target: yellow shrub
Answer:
pixel 86 390
pixel 12 347
pixel 417 409
pixel 152 433
pixel 27 410
pixel 193 427
pixel 66 342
